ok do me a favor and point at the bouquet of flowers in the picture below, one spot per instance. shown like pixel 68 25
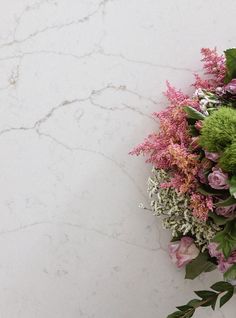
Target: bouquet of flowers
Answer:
pixel 193 181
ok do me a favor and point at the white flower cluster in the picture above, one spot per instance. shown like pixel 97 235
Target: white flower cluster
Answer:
pixel 207 100
pixel 174 207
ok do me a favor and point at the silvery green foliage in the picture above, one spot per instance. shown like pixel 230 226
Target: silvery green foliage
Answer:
pixel 174 207
pixel 207 100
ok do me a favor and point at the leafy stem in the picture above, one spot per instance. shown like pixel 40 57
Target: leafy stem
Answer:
pixel 221 290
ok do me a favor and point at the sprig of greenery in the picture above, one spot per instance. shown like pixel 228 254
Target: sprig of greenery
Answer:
pixel 226 239
pixel 221 290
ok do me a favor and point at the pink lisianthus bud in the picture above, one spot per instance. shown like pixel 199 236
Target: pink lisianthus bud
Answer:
pixel 218 179
pixel 199 124
pixel 231 87
pixel 213 156
pixel 183 251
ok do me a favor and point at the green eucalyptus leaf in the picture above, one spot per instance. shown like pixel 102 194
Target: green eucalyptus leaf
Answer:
pixel 193 113
pixel 199 265
pixel 230 55
pixel 218 219
pixel 228 202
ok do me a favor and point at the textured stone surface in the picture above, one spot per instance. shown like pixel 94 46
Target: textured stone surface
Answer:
pixel 78 82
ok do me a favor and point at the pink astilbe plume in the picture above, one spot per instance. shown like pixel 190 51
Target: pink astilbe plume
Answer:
pixel 214 65
pixel 173 130
pixel 185 167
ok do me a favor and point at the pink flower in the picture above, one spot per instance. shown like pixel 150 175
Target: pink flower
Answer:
pixel 231 87
pixel 183 252
pixel 226 211
pixel 218 179
pixel 213 156
pixel 214 66
pixel 223 264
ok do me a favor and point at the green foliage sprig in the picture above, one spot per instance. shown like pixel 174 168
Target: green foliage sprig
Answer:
pixel 221 290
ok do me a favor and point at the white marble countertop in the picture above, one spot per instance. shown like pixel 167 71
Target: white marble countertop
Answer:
pixel 78 82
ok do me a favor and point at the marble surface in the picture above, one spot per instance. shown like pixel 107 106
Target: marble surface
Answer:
pixel 78 82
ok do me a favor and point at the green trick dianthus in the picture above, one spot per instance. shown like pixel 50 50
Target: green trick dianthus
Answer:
pixel 228 159
pixel 219 130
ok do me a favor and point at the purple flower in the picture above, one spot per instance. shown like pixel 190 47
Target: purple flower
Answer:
pixel 218 179
pixel 213 156
pixel 183 251
pixel 231 87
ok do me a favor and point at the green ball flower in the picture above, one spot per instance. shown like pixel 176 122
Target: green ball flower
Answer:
pixel 228 159
pixel 219 130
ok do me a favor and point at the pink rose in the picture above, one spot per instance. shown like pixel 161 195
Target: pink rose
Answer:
pixel 183 251
pixel 231 87
pixel 213 156
pixel 218 179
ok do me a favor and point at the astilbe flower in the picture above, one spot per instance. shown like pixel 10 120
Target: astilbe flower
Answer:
pixel 185 166
pixel 201 205
pixel 173 129
pixel 168 149
pixel 214 65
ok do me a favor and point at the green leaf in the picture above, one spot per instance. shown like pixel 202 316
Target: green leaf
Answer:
pixel 230 55
pixel 221 286
pixel 199 265
pixel 204 294
pixel 226 238
pixel 228 202
pixel 207 190
pixel 193 113
pixel 218 219
pixel 193 302
pixel 231 273
pixel 184 308
pixel 176 314
pixel 226 297
pixel 232 184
